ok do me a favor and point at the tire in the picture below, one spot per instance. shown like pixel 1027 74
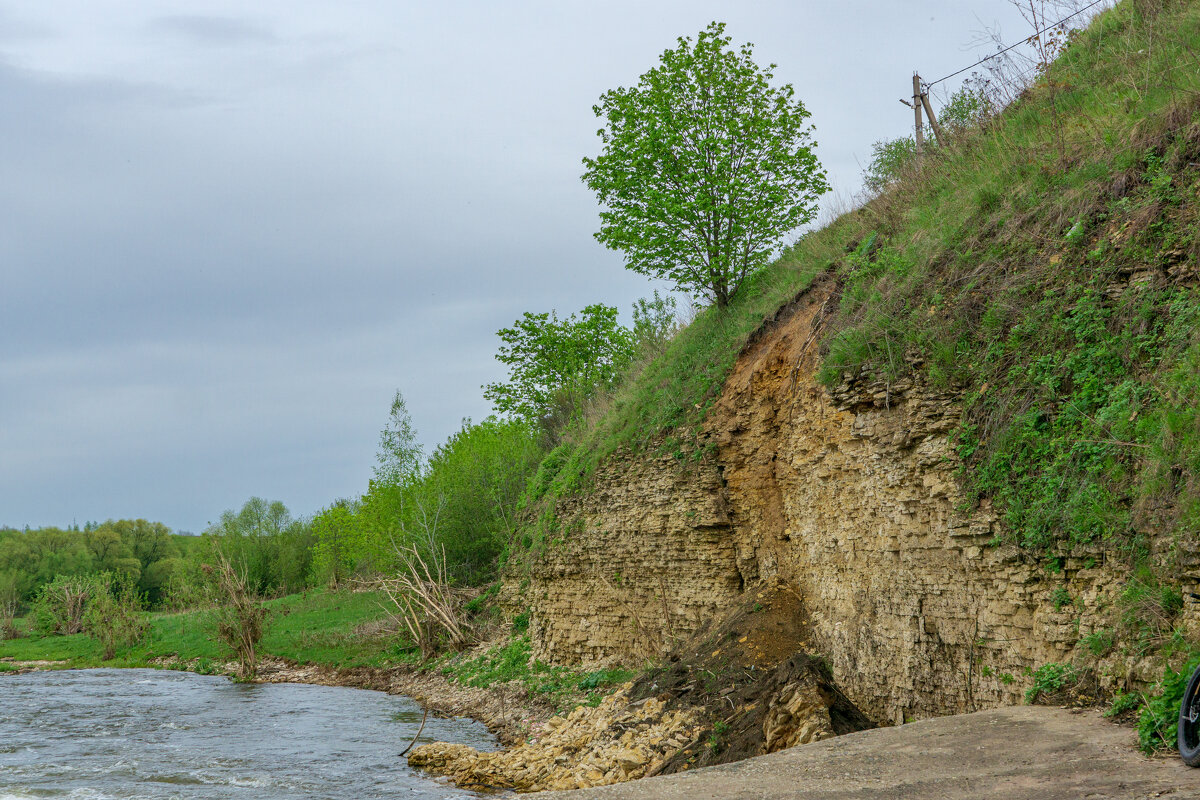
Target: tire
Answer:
pixel 1188 738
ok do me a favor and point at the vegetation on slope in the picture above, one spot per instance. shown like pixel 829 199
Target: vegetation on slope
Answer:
pixel 1045 264
pixel 662 403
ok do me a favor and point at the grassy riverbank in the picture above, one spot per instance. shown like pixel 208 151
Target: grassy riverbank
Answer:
pixel 342 630
pixel 337 629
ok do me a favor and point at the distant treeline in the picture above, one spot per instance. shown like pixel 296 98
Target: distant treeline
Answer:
pixel 145 554
pixel 461 501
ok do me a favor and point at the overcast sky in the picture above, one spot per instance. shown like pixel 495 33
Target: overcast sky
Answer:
pixel 229 231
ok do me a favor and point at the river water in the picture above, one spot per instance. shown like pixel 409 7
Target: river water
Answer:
pixel 107 733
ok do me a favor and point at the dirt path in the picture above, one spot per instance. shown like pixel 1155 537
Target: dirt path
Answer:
pixel 1020 753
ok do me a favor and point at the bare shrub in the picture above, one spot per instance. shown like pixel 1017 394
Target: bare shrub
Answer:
pixel 424 602
pixel 1011 71
pixel 240 615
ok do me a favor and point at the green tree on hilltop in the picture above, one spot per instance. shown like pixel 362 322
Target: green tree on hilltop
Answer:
pixel 705 167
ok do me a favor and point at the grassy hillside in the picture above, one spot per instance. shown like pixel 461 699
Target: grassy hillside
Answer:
pixel 1044 264
pixel 1047 266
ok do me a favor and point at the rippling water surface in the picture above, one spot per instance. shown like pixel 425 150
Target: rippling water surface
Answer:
pixel 155 734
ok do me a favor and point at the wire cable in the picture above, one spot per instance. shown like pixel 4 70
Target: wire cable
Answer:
pixel 1013 46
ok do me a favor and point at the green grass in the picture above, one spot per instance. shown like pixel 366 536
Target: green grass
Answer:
pixel 512 660
pixel 1122 703
pixel 331 628
pixel 1049 679
pixel 77 650
pixel 324 628
pixel 1147 608
pixel 1160 713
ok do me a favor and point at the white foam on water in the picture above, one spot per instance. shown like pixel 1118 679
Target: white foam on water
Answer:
pixel 84 793
pixel 241 781
pixel 121 767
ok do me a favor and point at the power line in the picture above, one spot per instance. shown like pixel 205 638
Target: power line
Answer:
pixel 1018 44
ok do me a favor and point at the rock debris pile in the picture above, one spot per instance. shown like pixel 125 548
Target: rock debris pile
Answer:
pixel 616 741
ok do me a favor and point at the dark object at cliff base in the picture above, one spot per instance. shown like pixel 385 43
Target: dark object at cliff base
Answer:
pixel 1189 722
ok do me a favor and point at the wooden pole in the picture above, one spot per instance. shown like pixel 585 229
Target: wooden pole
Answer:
pixel 916 104
pixel 937 129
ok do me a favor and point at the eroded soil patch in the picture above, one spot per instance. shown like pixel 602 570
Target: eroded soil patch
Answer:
pixel 754 683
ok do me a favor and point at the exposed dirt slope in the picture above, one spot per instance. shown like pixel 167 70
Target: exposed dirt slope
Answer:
pixel 751 678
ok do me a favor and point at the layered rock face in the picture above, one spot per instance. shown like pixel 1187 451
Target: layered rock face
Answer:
pixel 654 560
pixel 848 496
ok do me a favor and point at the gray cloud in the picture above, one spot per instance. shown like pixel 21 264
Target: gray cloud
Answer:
pixel 212 30
pixel 15 28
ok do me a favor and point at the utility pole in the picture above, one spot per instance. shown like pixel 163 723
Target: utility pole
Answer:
pixel 933 123
pixel 916 105
pixel 920 101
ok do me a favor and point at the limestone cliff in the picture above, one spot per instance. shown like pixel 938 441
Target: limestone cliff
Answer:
pixel 849 496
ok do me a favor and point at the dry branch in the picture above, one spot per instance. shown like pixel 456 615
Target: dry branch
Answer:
pixel 424 601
